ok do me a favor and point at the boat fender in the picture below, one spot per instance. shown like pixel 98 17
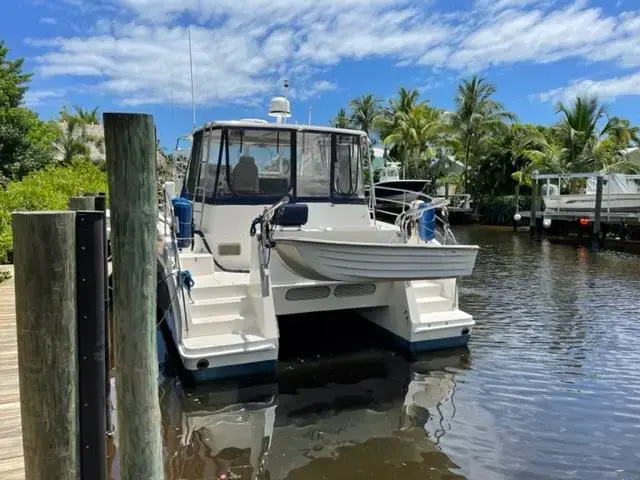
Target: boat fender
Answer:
pixel 187 279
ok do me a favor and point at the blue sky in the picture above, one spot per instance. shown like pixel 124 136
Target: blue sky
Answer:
pixel 132 55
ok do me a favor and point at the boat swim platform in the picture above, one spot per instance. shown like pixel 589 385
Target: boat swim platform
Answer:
pixel 11 454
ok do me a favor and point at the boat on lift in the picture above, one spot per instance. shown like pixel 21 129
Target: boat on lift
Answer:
pixel 391 188
pixel 272 220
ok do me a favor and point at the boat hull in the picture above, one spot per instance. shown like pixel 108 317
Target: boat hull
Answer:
pixel 619 203
pixel 412 189
pixel 359 261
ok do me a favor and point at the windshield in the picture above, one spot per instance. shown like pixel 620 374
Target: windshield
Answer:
pixel 256 162
pixel 313 165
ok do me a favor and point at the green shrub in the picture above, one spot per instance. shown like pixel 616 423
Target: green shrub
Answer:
pixel 500 210
pixel 47 189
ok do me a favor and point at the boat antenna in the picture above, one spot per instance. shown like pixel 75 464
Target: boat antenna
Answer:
pixel 193 97
pixel 286 96
pixel 310 108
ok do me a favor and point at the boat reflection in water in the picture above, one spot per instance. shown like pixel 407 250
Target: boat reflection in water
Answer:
pixel 369 414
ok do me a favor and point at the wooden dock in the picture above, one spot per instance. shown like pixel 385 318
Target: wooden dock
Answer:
pixel 11 460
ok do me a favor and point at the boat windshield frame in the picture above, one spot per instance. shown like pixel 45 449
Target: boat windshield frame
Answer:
pixel 204 143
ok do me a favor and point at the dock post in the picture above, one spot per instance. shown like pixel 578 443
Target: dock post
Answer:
pixel 45 284
pixel 517 202
pixel 91 352
pixel 595 238
pixel 85 203
pixel 534 204
pixel 131 168
pixel 101 206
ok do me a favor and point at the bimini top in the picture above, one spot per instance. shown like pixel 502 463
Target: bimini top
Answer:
pixel 284 126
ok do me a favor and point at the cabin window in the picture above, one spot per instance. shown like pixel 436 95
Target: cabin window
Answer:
pixel 348 166
pixel 258 162
pixel 313 164
pixel 210 152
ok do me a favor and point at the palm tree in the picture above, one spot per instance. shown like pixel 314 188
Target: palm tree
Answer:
pixel 622 133
pixel 476 114
pixel 578 131
pixel 407 99
pixel 414 132
pixel 341 120
pixel 88 117
pixel 365 112
pixel 74 140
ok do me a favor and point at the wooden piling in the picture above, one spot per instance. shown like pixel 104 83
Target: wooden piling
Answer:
pixel 45 283
pixel 82 203
pixel 595 239
pixel 131 167
pixel 534 204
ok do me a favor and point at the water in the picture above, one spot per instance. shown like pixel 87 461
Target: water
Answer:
pixel 548 388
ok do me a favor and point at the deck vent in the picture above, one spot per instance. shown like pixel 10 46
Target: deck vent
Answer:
pixel 355 290
pixel 307 293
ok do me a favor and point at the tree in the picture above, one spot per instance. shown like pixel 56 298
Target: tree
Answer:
pixel 87 117
pixel 365 112
pixel 579 134
pixel 341 120
pixel 414 132
pixel 476 115
pixel 13 81
pixel 397 112
pixel 25 141
pixel 74 139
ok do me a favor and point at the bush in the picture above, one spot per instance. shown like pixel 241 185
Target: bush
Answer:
pixel 47 189
pixel 500 210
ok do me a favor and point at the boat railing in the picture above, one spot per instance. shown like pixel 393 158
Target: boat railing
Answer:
pixel 459 200
pixel 412 206
pixel 409 221
pixel 171 226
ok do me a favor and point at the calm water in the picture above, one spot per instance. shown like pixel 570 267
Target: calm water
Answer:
pixel 548 388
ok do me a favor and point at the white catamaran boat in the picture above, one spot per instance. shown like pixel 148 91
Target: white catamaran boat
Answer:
pixel 281 226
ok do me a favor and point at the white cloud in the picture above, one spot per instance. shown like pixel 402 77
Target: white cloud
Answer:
pixel 34 98
pixel 243 49
pixel 48 21
pixel 605 89
pixel 537 36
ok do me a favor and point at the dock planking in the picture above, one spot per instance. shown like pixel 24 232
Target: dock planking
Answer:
pixel 11 459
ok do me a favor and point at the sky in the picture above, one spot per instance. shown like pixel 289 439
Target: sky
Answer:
pixel 133 55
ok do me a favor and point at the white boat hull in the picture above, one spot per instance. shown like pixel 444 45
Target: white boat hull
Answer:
pixel 331 260
pixel 619 202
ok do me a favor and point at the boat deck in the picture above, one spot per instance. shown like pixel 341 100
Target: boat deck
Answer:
pixel 11 458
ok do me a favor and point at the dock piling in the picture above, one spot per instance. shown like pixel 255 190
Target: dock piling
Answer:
pixel 45 285
pixel 85 203
pixel 534 204
pixel 131 167
pixel 595 240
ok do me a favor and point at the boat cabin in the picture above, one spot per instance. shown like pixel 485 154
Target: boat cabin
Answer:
pixel 251 163
pixel 239 167
pixel 390 172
